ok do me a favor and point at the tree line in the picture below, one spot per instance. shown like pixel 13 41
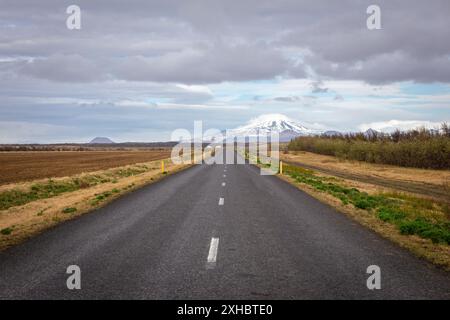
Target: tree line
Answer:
pixel 420 148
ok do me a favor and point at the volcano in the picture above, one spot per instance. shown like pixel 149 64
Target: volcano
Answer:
pixel 265 124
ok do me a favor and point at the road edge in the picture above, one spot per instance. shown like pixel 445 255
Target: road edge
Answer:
pixel 421 248
pixel 18 238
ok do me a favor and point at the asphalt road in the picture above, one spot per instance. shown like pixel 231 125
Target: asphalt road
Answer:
pixel 177 239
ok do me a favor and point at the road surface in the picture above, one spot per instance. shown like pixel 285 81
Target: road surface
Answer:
pixel 215 232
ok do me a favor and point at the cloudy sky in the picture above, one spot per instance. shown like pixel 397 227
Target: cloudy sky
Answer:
pixel 139 69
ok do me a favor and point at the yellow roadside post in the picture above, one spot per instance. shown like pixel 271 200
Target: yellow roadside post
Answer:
pixel 281 167
pixel 162 166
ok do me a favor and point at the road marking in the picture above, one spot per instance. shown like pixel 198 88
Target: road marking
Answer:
pixel 212 255
pixel 224 175
pixel 221 201
pixel 223 184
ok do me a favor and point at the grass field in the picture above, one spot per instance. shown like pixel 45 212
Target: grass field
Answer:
pixel 32 165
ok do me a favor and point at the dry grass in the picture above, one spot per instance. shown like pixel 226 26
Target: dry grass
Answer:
pixel 429 183
pixel 438 177
pixel 22 222
pixel 32 165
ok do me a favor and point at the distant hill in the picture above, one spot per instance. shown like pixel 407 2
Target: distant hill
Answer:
pixel 101 140
pixel 371 133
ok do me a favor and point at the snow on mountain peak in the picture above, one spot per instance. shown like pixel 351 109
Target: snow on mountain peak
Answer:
pixel 267 123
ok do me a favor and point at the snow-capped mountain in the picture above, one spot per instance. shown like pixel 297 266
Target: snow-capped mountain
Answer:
pixel 265 124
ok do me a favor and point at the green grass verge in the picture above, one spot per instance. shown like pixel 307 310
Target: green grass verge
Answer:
pixel 104 195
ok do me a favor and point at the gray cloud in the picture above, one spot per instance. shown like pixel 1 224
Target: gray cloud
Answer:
pixel 317 87
pixel 287 99
pixel 204 42
pixel 216 63
pixel 66 68
pixel 387 68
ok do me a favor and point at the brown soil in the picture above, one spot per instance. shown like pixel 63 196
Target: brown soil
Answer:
pixel 32 165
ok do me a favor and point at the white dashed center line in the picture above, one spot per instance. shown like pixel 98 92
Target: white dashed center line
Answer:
pixel 224 175
pixel 212 255
pixel 223 184
pixel 221 201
